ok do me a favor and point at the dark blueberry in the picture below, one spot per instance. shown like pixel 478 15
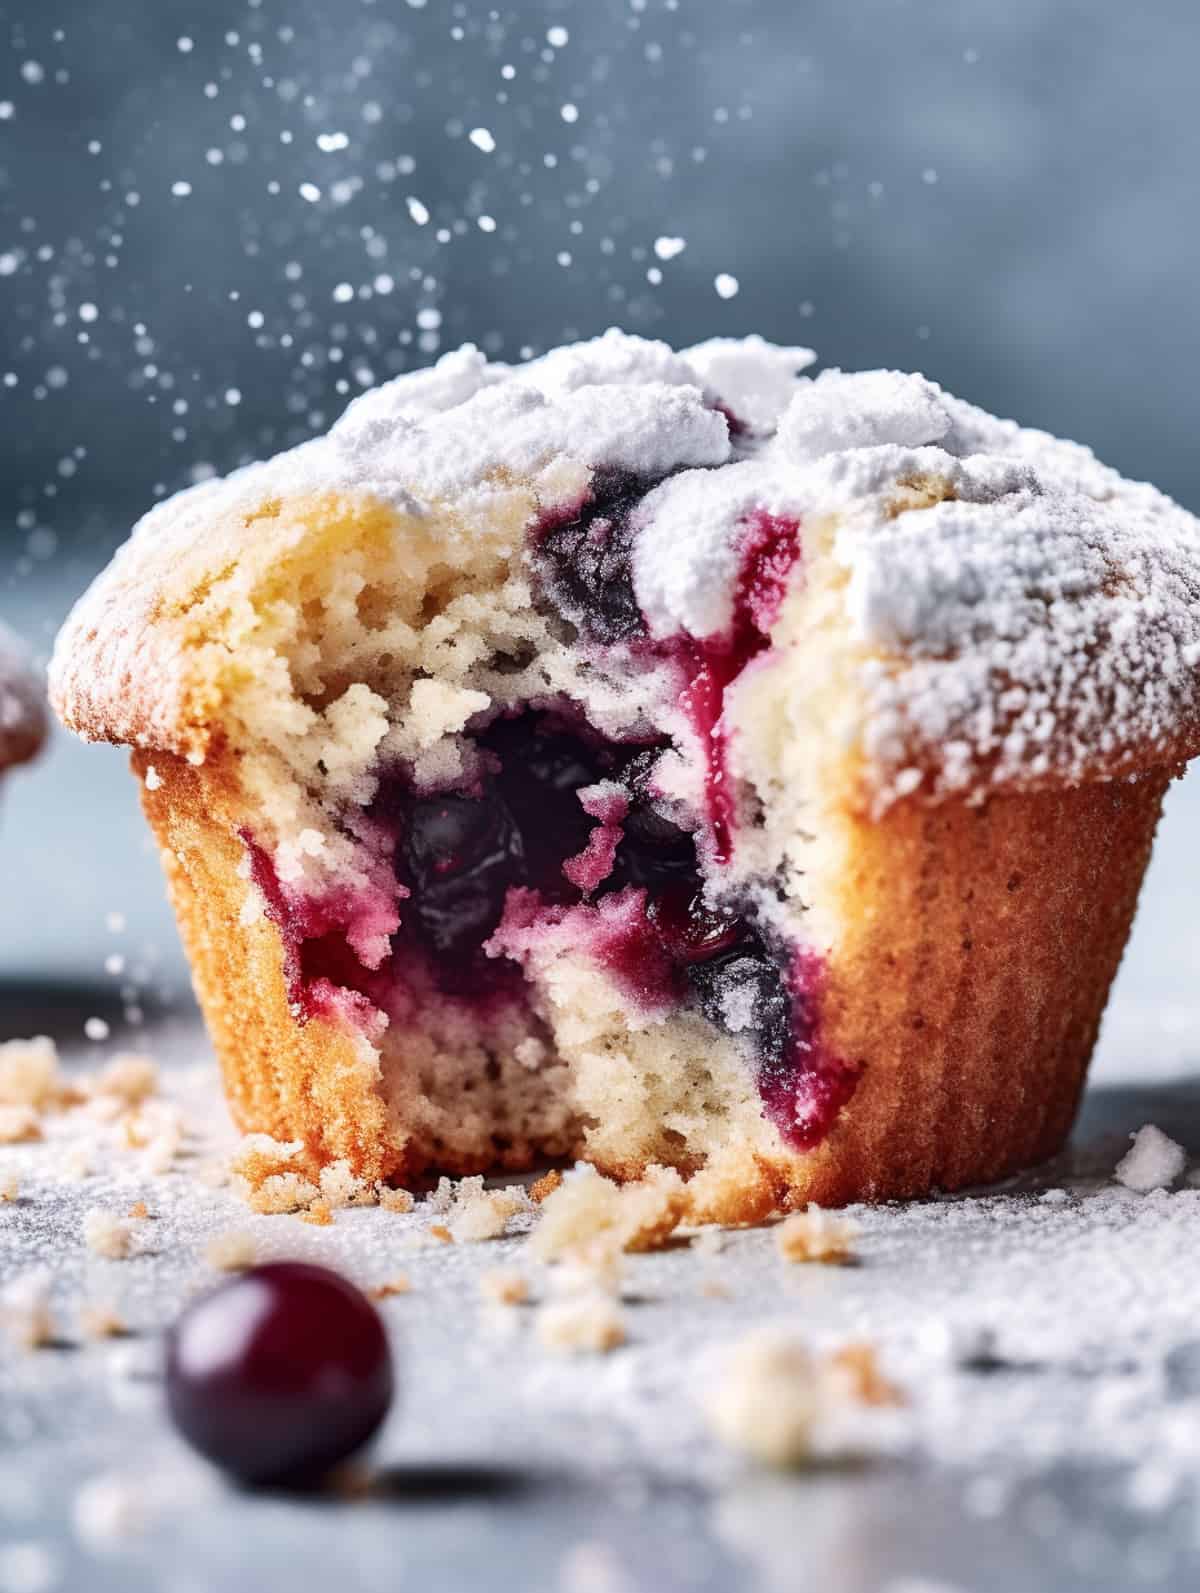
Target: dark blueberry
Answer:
pixel 541 772
pixel 459 856
pixel 743 983
pixel 279 1374
pixel 690 930
pixel 655 852
pixel 587 562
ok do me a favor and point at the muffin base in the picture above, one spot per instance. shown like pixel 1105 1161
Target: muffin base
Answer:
pixel 975 949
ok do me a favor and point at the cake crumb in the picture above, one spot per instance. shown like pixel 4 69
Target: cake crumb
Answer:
pixel 29 1073
pixel 25 1309
pixel 319 1214
pixel 98 1320
pixel 129 1076
pixel 1153 1162
pixel 767 1402
pixel 138 1210
pixel 504 1286
pixel 816 1235
pixel 340 1186
pixel 486 1215
pixel 232 1251
pixel 107 1234
pixel 856 1371
pixel 441 1233
pixel 398 1200
pixel 545 1185
pixel 400 1284
pixel 271 1175
pixel 9 1187
pixel 589 1325
pixel 19 1125
pixel 589 1211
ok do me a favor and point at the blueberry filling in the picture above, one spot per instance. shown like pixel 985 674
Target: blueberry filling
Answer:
pixel 523 826
pixel 459 856
pixel 586 560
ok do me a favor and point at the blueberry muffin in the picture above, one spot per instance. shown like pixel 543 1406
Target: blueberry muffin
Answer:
pixel 657 758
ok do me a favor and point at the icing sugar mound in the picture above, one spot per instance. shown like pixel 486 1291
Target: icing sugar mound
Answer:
pixel 1154 1161
pixel 616 359
pixel 685 558
pixel 754 378
pixel 840 410
pixel 645 430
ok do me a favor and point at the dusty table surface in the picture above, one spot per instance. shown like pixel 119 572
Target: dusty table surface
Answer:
pixel 1047 1334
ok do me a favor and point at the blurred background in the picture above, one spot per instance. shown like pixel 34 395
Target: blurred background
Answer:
pixel 221 220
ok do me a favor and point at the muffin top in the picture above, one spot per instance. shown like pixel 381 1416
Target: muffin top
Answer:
pixel 1006 611
pixel 22 704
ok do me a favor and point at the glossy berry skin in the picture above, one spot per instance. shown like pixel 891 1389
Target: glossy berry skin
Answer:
pixel 279 1374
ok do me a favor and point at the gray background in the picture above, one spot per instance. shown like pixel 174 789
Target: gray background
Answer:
pixel 1002 195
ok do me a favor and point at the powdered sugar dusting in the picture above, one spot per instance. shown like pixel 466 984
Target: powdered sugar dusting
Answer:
pixel 1010 610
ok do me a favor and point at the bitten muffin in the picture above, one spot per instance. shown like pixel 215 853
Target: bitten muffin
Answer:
pixel 22 704
pixel 658 758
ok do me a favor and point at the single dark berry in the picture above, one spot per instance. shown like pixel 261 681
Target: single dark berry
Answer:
pixel 459 856
pixel 279 1374
pixel 541 773
pixel 690 930
pixel 587 562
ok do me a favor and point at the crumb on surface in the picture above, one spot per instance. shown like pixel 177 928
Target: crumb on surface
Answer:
pixel 138 1210
pixel 319 1214
pixel 29 1073
pixel 129 1076
pixel 441 1233
pixel 587 1325
pixel 25 1309
pixel 99 1320
pixel 504 1286
pixel 479 1214
pixel 9 1186
pixel 855 1369
pixel 1154 1161
pixel 777 1402
pixel 19 1125
pixel 340 1186
pixel 545 1185
pixel 232 1251
pixel 107 1234
pixel 816 1235
pixel 400 1284
pixel 767 1401
pixel 588 1210
pixel 397 1200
